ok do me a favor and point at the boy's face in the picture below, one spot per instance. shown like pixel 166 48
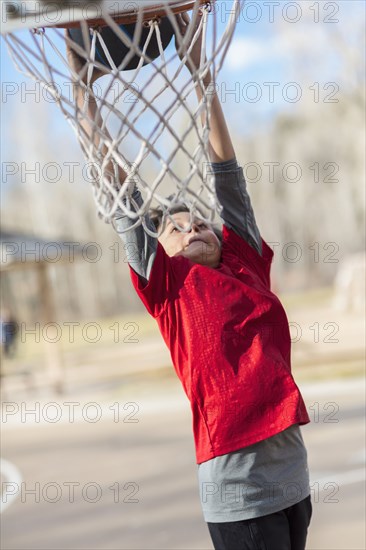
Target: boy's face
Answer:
pixel 200 245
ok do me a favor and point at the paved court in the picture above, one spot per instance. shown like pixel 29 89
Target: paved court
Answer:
pixel 128 480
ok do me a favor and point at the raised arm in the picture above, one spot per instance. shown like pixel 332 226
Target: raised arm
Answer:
pixel 221 147
pixel 90 118
pixel 140 247
pixel 237 212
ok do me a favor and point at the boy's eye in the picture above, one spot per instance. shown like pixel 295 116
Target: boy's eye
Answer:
pixel 201 225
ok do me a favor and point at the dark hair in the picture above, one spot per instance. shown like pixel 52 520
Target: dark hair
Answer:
pixel 157 216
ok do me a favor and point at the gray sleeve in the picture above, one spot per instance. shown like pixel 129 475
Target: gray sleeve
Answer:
pixel 140 247
pixel 237 212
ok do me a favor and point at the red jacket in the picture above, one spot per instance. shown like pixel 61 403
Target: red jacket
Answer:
pixel 229 339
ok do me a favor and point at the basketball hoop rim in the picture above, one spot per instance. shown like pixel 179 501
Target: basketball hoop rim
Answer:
pixel 155 11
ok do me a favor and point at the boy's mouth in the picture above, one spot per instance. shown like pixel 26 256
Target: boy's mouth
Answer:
pixel 196 240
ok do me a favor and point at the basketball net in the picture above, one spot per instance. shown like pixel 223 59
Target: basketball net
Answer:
pixel 153 106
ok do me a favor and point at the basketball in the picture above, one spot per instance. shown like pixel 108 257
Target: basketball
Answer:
pixel 118 50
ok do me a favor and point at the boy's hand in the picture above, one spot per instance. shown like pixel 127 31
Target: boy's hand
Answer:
pixel 79 65
pixel 193 62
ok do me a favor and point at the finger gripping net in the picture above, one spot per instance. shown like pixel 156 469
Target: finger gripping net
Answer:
pixel 145 122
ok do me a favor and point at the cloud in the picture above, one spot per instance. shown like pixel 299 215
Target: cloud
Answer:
pixel 284 45
pixel 244 52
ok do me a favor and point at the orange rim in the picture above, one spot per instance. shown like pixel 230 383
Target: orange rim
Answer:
pixel 154 12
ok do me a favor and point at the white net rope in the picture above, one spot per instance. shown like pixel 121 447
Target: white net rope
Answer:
pixel 154 105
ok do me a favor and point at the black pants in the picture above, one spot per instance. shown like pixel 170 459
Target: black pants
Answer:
pixel 284 530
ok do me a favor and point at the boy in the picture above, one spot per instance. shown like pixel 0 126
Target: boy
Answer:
pixel 229 340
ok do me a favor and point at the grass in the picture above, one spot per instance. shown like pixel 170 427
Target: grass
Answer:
pixel 329 371
pixel 318 297
pixel 84 337
pixel 109 341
